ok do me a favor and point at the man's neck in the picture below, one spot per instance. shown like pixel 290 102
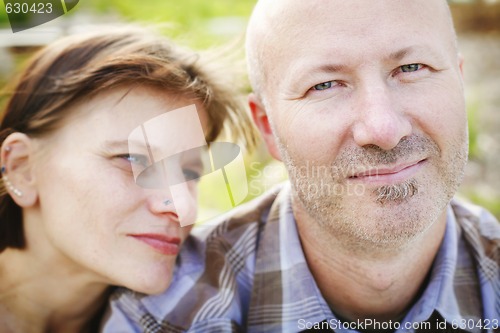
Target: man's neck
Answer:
pixel 368 285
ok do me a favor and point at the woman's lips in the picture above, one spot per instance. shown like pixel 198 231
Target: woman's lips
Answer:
pixel 388 175
pixel 161 243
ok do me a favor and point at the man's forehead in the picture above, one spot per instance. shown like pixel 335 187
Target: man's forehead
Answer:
pixel 280 29
pixel 278 19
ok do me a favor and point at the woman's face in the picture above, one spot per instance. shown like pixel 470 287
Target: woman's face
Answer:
pixel 93 212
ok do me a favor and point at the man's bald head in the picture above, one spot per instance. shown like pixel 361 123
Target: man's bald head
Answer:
pixel 275 24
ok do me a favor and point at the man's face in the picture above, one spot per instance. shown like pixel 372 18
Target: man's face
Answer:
pixel 366 103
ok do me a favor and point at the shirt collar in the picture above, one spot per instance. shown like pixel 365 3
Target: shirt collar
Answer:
pixel 438 296
pixel 301 298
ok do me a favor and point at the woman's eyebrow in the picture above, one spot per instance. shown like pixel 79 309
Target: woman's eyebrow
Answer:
pixel 116 143
pixel 126 145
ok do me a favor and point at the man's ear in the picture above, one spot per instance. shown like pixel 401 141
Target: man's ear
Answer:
pixel 261 120
pixel 16 156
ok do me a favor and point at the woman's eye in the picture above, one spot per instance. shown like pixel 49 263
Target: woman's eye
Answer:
pixel 191 174
pixel 324 85
pixel 135 159
pixel 411 68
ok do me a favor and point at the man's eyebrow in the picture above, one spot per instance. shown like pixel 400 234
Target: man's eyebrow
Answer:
pixel 299 74
pixel 400 54
pixel 397 55
pixel 330 68
pixel 416 49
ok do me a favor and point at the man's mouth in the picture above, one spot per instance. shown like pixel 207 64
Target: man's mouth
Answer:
pixel 388 175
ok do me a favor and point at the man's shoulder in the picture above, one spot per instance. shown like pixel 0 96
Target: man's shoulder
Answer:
pixel 481 232
pixel 479 227
pixel 252 214
pixel 477 217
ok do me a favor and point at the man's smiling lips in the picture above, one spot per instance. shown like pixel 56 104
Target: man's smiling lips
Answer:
pixel 388 175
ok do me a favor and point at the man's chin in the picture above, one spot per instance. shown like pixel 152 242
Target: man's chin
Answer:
pixel 369 222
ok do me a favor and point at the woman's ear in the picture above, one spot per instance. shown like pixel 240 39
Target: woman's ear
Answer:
pixel 261 120
pixel 16 156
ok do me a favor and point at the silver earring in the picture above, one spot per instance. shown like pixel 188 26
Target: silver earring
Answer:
pixel 167 202
pixel 8 184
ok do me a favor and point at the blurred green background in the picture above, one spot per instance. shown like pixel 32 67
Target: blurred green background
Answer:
pixel 204 24
pixel 199 23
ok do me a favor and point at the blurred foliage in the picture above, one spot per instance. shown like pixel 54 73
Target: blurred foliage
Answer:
pixel 186 12
pixel 192 21
pixel 474 130
pixel 489 201
pixel 198 23
pixel 4 20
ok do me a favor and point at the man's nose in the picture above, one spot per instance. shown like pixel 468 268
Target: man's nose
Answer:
pixel 380 120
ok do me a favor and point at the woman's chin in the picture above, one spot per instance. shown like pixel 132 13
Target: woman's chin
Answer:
pixel 150 283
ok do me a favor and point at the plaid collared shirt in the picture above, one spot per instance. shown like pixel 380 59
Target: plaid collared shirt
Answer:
pixel 249 274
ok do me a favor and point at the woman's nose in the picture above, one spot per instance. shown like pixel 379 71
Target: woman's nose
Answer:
pixel 178 200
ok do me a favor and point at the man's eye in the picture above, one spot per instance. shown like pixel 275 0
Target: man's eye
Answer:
pixel 323 86
pixel 411 68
